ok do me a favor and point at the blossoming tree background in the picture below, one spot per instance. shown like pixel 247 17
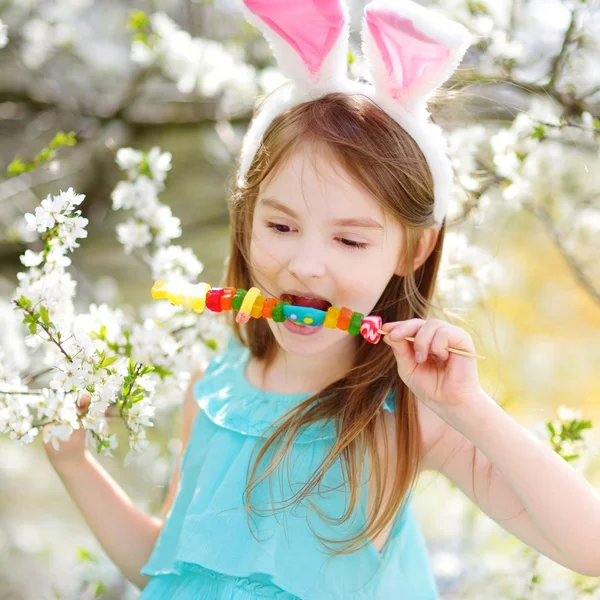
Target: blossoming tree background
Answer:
pixel 119 130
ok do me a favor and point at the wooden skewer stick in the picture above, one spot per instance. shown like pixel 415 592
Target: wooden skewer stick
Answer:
pixel 455 350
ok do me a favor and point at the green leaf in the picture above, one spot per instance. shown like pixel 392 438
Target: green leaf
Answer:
pixel 17 167
pixel 85 555
pixel 539 131
pixel 63 139
pixel 138 20
pixel 476 7
pixel 140 37
pixel 109 360
pixel 211 343
pixel 137 397
pixel 44 315
pixel 162 372
pixel 24 302
pixel 99 588
pixel 44 155
pixel 32 328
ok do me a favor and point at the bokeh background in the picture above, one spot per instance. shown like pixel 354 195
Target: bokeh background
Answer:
pixel 522 268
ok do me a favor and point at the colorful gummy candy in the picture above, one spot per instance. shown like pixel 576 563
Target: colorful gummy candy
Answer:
pixel 251 304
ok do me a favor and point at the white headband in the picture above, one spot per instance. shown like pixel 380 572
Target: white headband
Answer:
pixel 409 51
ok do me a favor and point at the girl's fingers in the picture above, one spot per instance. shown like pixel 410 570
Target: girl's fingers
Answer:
pixel 83 401
pixel 424 338
pixel 401 330
pixel 440 343
pixel 431 337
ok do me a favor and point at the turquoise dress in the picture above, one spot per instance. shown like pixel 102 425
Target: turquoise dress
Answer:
pixel 206 550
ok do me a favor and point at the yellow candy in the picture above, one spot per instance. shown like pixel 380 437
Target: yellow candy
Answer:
pixel 197 299
pixel 243 315
pixel 160 289
pixel 331 317
pixel 181 293
pixel 257 309
pixel 176 292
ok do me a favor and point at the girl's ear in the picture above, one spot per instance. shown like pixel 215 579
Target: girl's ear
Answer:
pixel 309 39
pixel 425 247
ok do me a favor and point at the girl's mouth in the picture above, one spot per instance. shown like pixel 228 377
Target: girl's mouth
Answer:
pixel 309 302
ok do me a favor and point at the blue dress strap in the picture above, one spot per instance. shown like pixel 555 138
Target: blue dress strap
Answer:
pixel 389 404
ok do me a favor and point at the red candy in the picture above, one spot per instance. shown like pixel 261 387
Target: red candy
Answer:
pixel 369 327
pixel 213 299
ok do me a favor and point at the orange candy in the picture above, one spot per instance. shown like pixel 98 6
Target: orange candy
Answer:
pixel 344 319
pixel 226 297
pixel 268 307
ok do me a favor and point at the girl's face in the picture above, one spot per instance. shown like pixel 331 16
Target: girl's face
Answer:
pixel 316 233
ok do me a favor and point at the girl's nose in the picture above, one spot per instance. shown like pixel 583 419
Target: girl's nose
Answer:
pixel 308 261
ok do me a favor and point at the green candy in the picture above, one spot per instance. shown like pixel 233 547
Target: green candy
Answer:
pixel 238 298
pixel 277 312
pixel 355 323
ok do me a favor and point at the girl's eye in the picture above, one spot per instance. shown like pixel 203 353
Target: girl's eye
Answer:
pixel 347 243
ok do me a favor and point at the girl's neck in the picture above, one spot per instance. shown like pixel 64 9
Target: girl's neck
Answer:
pixel 293 374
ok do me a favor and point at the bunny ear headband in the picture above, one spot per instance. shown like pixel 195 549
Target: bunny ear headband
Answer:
pixel 409 50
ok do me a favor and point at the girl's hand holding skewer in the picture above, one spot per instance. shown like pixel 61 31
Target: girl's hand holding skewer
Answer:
pixel 440 379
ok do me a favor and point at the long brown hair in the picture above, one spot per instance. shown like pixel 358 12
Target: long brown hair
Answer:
pixel 380 156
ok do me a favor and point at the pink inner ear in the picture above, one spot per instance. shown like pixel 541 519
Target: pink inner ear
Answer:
pixel 408 54
pixel 311 27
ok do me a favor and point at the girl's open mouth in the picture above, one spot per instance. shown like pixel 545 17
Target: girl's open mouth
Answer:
pixel 308 302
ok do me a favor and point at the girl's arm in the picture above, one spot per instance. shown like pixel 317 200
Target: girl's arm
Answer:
pixel 126 533
pixel 518 481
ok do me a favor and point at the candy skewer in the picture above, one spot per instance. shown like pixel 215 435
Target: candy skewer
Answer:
pixel 251 304
pixel 409 338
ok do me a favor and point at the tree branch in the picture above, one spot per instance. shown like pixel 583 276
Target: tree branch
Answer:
pixel 544 217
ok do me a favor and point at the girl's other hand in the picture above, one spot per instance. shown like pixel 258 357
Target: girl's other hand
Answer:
pixel 442 379
pixel 70 451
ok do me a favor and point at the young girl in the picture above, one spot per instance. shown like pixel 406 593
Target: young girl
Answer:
pixel 301 445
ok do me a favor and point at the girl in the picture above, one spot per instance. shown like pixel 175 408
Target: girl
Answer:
pixel 301 445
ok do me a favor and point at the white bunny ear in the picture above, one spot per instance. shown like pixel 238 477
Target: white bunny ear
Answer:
pixel 309 38
pixel 411 50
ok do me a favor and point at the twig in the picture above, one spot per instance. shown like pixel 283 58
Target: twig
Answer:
pixel 546 220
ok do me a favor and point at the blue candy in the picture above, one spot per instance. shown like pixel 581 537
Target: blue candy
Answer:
pixel 304 315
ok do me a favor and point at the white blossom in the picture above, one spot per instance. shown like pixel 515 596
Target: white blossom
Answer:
pixel 164 225
pixel 175 261
pixel 57 433
pixel 466 272
pixel 129 159
pixel 38 44
pixel 30 258
pixel 198 64
pixel 142 54
pixel 3 34
pixel 72 230
pixel 133 234
pixel 158 163
pixel 139 195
